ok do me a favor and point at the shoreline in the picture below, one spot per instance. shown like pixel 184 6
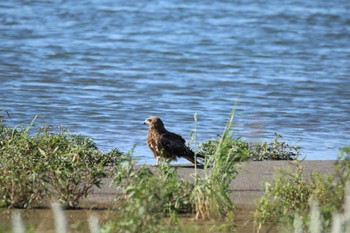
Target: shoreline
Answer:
pixel 246 187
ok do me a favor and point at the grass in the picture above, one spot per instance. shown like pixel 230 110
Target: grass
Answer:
pixel 145 199
pixel 211 194
pixel 60 222
pixel 340 222
pixel 291 194
pixel 241 150
pixel 51 163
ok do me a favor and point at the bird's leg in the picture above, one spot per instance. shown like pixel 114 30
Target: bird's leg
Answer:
pixel 157 162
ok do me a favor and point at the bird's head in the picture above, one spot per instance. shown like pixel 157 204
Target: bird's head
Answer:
pixel 154 121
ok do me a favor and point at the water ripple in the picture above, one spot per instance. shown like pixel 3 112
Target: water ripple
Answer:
pixel 101 67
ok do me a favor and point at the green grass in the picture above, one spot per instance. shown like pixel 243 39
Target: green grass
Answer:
pixel 38 163
pixel 146 198
pixel 50 163
pixel 291 195
pixel 211 195
pixel 242 150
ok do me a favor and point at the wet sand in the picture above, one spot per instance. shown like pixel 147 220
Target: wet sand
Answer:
pixel 246 188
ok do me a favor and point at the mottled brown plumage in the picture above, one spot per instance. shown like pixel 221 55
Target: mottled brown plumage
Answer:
pixel 166 145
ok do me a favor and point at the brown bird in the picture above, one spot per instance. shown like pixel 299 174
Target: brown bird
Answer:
pixel 166 145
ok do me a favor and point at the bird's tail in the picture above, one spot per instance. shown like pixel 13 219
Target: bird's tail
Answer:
pixel 200 156
pixel 192 157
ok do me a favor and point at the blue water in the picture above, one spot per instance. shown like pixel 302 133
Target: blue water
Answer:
pixel 100 68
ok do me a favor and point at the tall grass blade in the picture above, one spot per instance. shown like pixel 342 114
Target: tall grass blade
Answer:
pixel 31 124
pixel 347 202
pixel 60 219
pixel 7 113
pixel 345 221
pixel 336 224
pixel 298 224
pixel 93 224
pixel 315 222
pixel 17 223
pixel 193 135
pixel 211 194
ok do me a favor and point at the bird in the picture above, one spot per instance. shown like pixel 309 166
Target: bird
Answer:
pixel 167 145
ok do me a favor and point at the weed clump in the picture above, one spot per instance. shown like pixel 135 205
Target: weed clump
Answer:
pixel 243 150
pixel 146 198
pixel 22 176
pixel 74 164
pixel 291 194
pixel 50 164
pixel 211 194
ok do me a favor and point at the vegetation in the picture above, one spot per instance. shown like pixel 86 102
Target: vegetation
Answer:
pixel 51 164
pixel 242 150
pixel 211 194
pixel 146 198
pixel 291 194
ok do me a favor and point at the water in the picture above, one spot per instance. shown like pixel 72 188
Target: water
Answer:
pixel 100 68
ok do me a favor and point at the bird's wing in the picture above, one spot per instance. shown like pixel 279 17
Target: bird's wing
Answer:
pixel 173 143
pixel 174 146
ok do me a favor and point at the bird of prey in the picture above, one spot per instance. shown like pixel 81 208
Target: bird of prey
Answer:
pixel 166 145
